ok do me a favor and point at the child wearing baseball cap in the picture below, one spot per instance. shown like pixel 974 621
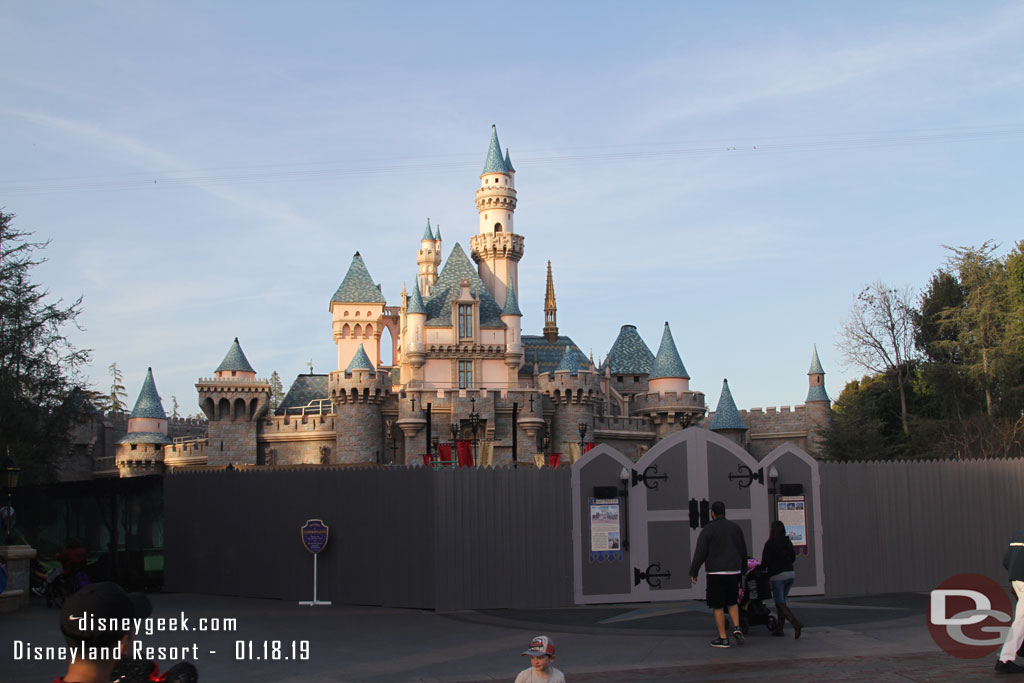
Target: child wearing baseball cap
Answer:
pixel 541 653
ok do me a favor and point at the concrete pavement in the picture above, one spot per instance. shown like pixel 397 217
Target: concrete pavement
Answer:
pixel 881 638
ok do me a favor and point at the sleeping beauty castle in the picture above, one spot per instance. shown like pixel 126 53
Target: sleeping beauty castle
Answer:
pixel 466 382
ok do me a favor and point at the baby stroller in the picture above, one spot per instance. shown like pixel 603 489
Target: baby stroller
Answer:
pixel 755 588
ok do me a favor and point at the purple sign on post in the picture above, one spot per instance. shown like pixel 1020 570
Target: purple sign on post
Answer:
pixel 314 535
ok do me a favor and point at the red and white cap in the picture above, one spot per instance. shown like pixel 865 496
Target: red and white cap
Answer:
pixel 541 645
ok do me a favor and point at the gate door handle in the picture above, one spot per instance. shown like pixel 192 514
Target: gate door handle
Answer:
pixel 705 512
pixel 694 514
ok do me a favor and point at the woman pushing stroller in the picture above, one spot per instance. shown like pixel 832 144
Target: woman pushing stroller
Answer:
pixel 777 558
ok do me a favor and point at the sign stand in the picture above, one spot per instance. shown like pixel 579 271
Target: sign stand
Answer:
pixel 314 538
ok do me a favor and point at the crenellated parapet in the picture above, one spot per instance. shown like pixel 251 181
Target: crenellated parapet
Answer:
pixel 358 387
pixel 670 411
pixel 492 245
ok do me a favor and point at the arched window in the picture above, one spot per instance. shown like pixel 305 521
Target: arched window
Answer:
pixel 497 227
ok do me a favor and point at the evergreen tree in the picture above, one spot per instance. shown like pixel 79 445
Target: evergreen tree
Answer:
pixel 276 390
pixel 118 395
pixel 39 366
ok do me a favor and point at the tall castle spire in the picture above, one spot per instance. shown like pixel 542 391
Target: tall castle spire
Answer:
pixel 550 309
pixel 497 248
pixel 816 380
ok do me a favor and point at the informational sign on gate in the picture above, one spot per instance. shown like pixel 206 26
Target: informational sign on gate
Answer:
pixel 605 529
pixel 314 535
pixel 793 513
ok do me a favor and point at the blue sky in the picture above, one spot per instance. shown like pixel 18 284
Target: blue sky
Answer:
pixel 741 170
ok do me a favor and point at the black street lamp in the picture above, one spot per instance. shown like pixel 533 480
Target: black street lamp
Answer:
pixel 9 473
pixel 583 434
pixel 474 425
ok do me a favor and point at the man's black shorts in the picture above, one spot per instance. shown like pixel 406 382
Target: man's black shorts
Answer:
pixel 723 590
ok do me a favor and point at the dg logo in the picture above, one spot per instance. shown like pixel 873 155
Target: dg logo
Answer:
pixel 969 616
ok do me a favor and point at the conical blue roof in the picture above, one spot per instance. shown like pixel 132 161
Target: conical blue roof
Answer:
pixel 427 234
pixel 148 404
pixel 511 305
pixel 495 162
pixel 415 304
pixel 668 363
pixel 360 361
pixel 437 233
pixel 569 363
pixel 817 393
pixel 726 415
pixel 508 162
pixel 358 286
pixel 629 354
pixel 235 360
pixel 816 368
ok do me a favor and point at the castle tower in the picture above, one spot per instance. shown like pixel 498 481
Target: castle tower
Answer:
pixel 819 405
pixel 727 420
pixel 496 249
pixel 668 372
pixel 358 392
pixel 234 402
pixel 575 389
pixel 512 317
pixel 550 310
pixel 357 308
pixel 414 340
pixel 141 450
pixel 629 362
pixel 668 400
pixel 429 258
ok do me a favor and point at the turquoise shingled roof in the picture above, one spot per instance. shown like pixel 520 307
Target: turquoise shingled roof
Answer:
pixel 569 363
pixel 816 368
pixel 511 305
pixel 629 354
pixel 358 287
pixel 456 269
pixel 144 437
pixel 548 354
pixel 360 361
pixel 148 403
pixel 495 161
pixel 668 363
pixel 427 233
pixel 817 394
pixel 726 416
pixel 437 235
pixel 235 360
pixel 508 162
pixel 415 304
pixel 304 389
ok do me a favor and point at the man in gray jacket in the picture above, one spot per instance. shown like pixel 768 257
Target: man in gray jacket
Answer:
pixel 723 551
pixel 1013 560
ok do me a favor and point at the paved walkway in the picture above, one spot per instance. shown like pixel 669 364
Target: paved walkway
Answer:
pixel 877 638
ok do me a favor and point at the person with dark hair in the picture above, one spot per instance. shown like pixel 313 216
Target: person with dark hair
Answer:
pixel 1013 562
pixel 84 619
pixel 723 550
pixel 777 560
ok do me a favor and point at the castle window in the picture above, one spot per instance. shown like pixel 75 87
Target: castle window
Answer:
pixel 465 321
pixel 497 227
pixel 636 378
pixel 465 374
pixel 134 447
pixel 233 373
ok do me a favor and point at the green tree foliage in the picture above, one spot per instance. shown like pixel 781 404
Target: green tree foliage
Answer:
pixel 963 394
pixel 118 395
pixel 39 366
pixel 276 390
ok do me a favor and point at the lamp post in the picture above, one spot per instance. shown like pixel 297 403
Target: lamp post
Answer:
pixel 773 488
pixel 474 425
pixel 583 434
pixel 9 472
pixel 392 438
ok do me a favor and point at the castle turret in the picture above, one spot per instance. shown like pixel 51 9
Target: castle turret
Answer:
pixel 629 362
pixel 819 406
pixel 668 372
pixel 429 258
pixel 575 389
pixel 667 400
pixel 497 249
pixel 234 401
pixel 727 420
pixel 141 450
pixel 415 333
pixel 357 308
pixel 550 309
pixel 512 317
pixel 358 392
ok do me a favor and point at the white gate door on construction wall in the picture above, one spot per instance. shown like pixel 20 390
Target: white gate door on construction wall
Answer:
pixel 656 507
